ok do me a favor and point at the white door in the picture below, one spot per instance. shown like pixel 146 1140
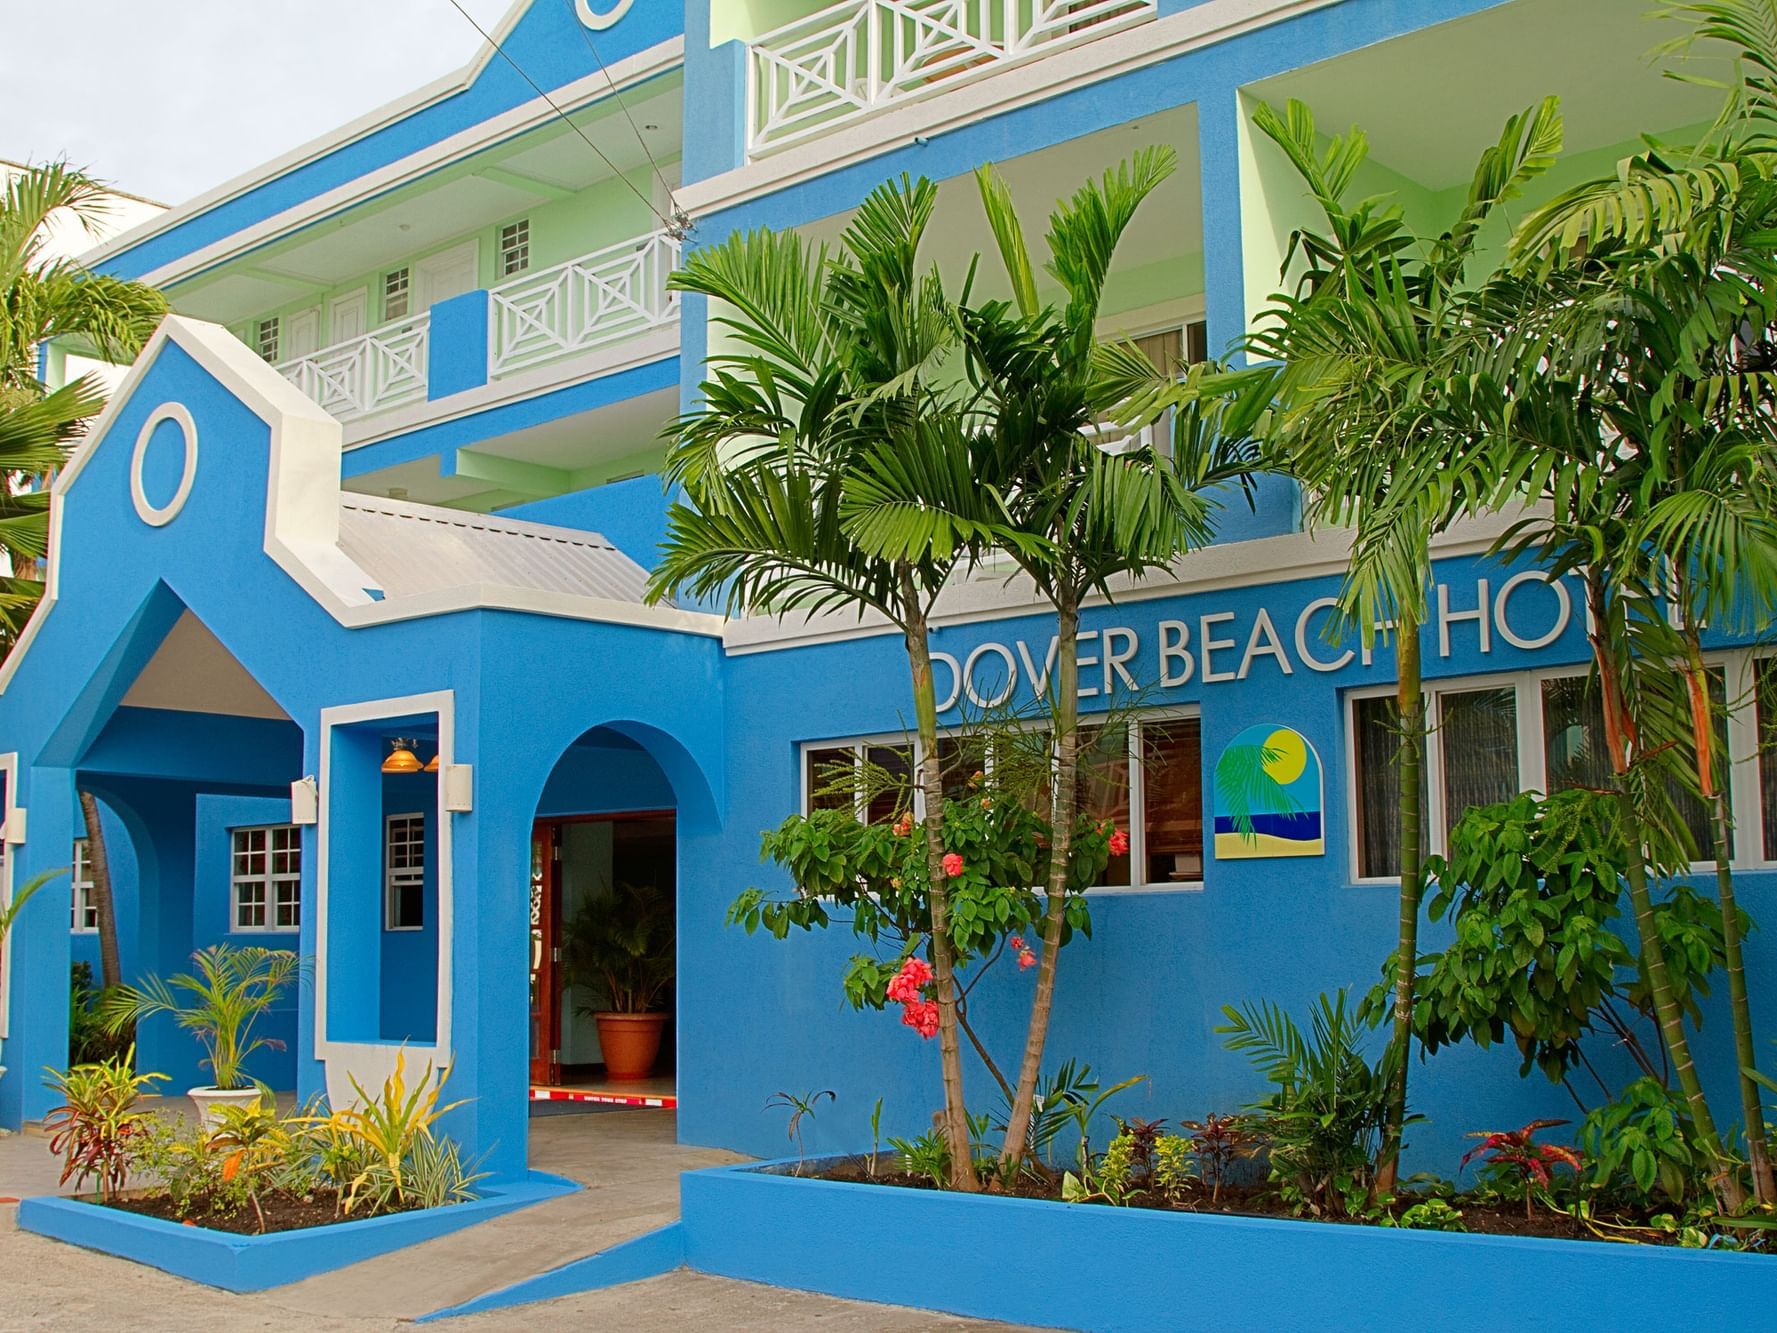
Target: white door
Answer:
pixel 445 275
pixel 302 333
pixel 347 316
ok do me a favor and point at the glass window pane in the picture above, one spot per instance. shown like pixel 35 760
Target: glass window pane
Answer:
pixel 832 779
pixel 1573 735
pixel 1103 770
pixel 1172 799
pixel 1767 751
pixel 1478 735
pixel 888 782
pixel 960 758
pixel 1376 745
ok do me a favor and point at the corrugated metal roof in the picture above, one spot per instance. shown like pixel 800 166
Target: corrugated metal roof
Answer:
pixel 413 548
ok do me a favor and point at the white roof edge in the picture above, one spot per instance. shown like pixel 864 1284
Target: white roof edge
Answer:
pixel 361 127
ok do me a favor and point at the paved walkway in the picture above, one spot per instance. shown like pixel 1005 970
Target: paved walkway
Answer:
pixel 626 1159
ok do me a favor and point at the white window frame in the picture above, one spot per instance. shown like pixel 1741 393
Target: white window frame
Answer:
pixel 272 325
pixel 403 274
pixel 268 881
pixel 1737 669
pixel 513 240
pixel 80 879
pixel 397 878
pixel 1137 830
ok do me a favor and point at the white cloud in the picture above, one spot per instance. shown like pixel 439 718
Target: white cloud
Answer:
pixel 166 98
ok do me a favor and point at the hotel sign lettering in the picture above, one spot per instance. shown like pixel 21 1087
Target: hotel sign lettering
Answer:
pixel 1526 611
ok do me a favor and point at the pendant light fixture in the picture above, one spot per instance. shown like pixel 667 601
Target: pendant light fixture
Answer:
pixel 401 758
pixel 432 764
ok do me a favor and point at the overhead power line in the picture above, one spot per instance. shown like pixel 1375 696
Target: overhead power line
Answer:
pixel 676 225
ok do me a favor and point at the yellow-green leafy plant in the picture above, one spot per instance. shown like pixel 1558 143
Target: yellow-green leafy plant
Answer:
pixel 99 1126
pixel 1175 1164
pixel 254 1146
pixel 388 1130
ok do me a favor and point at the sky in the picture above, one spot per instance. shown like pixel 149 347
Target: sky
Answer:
pixel 167 98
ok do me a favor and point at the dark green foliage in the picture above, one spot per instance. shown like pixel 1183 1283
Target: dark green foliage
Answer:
pixel 622 949
pixel 1533 886
pixel 1323 1125
pixel 89 1043
pixel 1639 1148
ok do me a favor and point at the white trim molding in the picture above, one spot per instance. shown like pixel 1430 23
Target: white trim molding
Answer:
pixel 599 22
pixel 622 75
pixel 158 516
pixel 9 773
pixel 1019 85
pixel 302 508
pixel 372 1062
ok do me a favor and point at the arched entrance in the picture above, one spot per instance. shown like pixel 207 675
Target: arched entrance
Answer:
pixel 603 941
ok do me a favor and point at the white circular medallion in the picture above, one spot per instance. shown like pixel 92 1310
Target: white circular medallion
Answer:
pixel 599 22
pixel 164 514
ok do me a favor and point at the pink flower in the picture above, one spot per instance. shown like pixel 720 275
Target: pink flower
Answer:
pixel 906 985
pixel 987 803
pixel 1017 943
pixel 922 1017
pixel 904 825
pixel 1119 842
pixel 1026 959
pixel 953 864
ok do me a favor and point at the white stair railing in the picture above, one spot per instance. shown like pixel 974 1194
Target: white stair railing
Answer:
pixel 382 369
pixel 852 57
pixel 598 298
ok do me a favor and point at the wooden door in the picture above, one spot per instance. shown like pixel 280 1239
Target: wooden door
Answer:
pixel 348 317
pixel 545 949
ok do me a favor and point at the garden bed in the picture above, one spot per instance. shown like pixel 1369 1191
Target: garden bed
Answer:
pixel 237 1261
pixel 1480 1217
pixel 276 1212
pixel 1088 1266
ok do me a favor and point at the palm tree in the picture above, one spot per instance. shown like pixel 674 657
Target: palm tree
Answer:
pixel 840 360
pixel 44 298
pixel 1650 375
pixel 1369 418
pixel 1069 513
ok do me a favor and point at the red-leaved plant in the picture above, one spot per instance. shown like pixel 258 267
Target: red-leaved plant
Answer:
pixel 96 1129
pixel 1515 1155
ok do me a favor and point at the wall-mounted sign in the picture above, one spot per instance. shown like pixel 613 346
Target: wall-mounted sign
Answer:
pixel 1269 797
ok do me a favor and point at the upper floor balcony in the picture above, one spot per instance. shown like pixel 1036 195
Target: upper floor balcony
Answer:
pixel 845 61
pixel 595 300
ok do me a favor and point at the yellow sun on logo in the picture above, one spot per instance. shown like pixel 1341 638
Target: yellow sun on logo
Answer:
pixel 1289 756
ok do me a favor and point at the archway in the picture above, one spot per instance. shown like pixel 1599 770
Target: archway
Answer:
pixel 603 949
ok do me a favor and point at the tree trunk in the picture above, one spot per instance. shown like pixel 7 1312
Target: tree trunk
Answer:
pixel 1410 717
pixel 104 904
pixel 1619 731
pixel 931 781
pixel 1752 1111
pixel 1063 808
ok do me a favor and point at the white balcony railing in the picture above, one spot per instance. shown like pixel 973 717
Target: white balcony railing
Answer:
pixel 855 56
pixel 381 369
pixel 598 298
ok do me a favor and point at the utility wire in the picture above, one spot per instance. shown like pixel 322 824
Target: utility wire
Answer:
pixel 672 225
pixel 585 36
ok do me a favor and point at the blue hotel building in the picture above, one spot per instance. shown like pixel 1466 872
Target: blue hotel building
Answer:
pixel 388 480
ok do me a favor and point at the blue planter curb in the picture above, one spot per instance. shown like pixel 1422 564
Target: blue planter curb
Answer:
pixel 648 1255
pixel 1083 1266
pixel 253 1263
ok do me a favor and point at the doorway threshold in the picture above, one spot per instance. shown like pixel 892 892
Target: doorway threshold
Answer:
pixel 654 1093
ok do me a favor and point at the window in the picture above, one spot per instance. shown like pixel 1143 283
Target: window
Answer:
pixel 404 869
pixel 515 247
pixel 1490 740
pixel 266 881
pixel 265 339
pixel 1152 764
pixel 395 294
pixel 1172 350
pixel 86 909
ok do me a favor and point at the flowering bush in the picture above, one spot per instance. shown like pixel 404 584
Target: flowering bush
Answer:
pixel 875 878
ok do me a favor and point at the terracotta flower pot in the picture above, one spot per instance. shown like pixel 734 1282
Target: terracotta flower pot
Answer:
pixel 630 1043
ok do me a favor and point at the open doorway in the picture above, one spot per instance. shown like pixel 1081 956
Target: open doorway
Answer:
pixel 603 948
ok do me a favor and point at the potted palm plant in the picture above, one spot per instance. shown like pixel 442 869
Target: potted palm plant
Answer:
pixel 9 912
pixel 229 992
pixel 620 949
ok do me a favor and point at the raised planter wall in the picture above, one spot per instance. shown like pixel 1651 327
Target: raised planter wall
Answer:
pixel 1084 1266
pixel 253 1263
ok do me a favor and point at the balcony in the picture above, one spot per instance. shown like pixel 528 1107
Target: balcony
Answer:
pixel 380 370
pixel 598 300
pixel 840 64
